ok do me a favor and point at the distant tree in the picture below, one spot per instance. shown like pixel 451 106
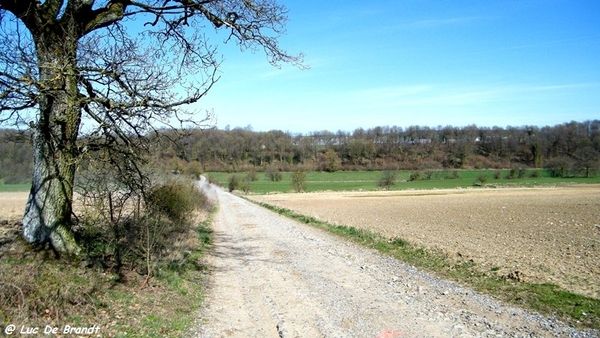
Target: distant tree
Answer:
pixel 306 148
pixel 360 149
pixel 559 166
pixel 594 133
pixel 536 158
pixel 587 160
pixel 355 150
pixel 329 161
pixel 68 62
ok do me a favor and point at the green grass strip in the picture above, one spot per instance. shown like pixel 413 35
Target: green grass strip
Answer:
pixel 549 299
pixel 367 180
pixel 14 187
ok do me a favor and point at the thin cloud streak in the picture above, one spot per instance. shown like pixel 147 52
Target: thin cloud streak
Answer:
pixel 427 94
pixel 549 43
pixel 438 23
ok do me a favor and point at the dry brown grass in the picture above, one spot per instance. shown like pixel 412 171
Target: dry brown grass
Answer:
pixel 12 205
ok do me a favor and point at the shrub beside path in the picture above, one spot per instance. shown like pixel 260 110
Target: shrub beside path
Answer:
pixel 275 277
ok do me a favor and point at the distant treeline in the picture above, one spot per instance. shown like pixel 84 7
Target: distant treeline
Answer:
pixel 569 149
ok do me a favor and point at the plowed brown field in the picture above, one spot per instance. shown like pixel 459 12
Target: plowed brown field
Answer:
pixel 547 234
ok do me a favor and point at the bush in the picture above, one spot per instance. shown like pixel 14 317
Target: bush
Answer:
pixel 481 179
pixel 512 173
pixel 170 211
pixel 534 174
pixel 244 186
pixel 176 200
pixel 414 176
pixel 233 182
pixel 273 174
pixel 251 176
pixel 117 229
pixel 497 174
pixel 387 180
pixel 299 181
pixel 430 170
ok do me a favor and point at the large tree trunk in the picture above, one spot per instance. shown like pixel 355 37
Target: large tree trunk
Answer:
pixel 49 207
pixel 48 213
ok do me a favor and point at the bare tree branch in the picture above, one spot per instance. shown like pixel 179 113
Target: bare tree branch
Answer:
pixel 91 70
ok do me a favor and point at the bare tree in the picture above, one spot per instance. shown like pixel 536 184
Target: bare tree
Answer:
pixel 112 69
pixel 587 160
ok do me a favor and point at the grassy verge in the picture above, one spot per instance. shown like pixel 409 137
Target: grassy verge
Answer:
pixel 367 180
pixel 547 299
pixel 38 290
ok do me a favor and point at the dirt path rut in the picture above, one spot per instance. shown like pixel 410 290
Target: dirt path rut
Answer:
pixel 274 277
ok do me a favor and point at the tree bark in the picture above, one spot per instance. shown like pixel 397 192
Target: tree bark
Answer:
pixel 48 211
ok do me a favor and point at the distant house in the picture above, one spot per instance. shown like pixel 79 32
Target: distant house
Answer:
pixel 421 141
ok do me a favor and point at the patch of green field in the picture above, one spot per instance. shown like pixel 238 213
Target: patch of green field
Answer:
pixel 14 187
pixel 367 180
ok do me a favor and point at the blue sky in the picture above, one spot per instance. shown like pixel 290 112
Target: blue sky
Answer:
pixel 413 62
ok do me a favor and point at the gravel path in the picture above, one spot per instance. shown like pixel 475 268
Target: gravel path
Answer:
pixel 274 277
